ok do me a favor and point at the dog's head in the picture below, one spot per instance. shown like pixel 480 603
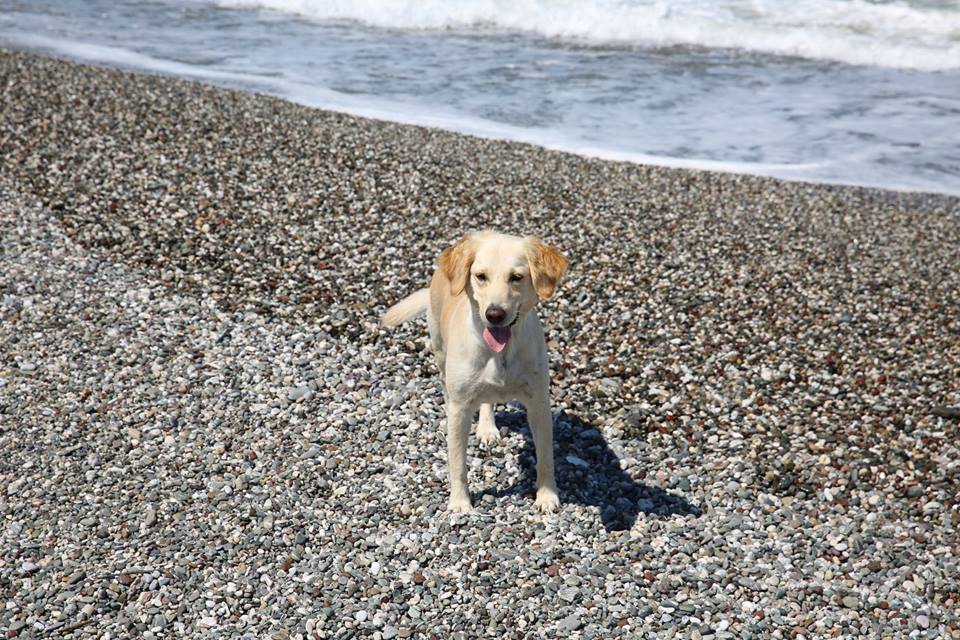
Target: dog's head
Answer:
pixel 504 276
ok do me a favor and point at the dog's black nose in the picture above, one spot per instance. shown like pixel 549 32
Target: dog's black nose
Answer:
pixel 496 315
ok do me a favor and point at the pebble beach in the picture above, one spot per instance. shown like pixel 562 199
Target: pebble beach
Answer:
pixel 204 431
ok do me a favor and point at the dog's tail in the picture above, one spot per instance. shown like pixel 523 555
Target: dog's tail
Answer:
pixel 407 309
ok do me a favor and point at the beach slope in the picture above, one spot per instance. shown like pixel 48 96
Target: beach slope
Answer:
pixel 204 429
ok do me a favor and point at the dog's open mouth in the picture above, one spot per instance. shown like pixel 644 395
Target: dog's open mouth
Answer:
pixel 497 337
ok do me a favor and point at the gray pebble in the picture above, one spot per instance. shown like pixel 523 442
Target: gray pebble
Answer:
pixel 300 392
pixel 569 624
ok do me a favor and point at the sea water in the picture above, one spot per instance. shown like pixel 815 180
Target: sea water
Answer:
pixel 835 91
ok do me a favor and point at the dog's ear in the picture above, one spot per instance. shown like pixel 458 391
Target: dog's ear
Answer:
pixel 455 263
pixel 547 266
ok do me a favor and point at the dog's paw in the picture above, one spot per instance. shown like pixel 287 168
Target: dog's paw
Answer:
pixel 488 436
pixel 547 500
pixel 459 505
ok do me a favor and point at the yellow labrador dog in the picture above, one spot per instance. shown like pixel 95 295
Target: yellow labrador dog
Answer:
pixel 489 344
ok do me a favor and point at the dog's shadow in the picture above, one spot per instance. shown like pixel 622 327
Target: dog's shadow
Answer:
pixel 588 472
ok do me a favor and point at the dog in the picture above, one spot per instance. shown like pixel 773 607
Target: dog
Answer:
pixel 489 344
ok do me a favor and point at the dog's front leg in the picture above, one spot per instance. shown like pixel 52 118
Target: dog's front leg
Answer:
pixel 541 424
pixel 459 416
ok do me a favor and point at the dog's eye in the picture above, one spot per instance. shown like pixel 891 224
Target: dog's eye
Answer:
pixel 481 277
pixel 516 277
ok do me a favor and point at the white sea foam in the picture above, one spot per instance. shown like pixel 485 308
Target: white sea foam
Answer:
pixel 393 110
pixel 903 35
pixel 119 57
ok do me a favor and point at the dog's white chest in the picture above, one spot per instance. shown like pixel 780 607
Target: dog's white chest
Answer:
pixel 502 378
pixel 494 372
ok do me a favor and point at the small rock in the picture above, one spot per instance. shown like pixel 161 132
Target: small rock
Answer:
pixel 569 624
pixel 748 583
pixel 300 392
pixel 575 460
pixel 942 411
pixel 932 507
pixel 14 487
pixel 610 385
pixel 569 594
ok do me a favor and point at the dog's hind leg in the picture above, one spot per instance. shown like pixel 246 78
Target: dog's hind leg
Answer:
pixel 487 431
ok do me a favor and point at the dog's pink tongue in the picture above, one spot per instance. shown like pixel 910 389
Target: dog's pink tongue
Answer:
pixel 496 337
